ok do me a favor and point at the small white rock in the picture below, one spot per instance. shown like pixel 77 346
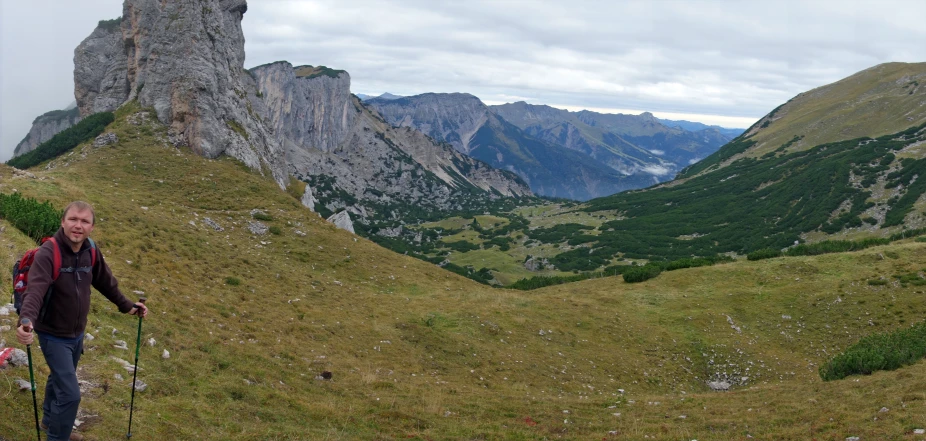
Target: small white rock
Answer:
pixel 152 342
pixel 140 385
pixel 88 337
pixel 165 355
pixel 919 431
pixel 23 384
pixel 118 377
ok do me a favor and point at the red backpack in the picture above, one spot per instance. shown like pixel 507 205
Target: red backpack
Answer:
pixel 22 266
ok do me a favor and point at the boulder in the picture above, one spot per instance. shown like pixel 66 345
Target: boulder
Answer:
pixel 342 221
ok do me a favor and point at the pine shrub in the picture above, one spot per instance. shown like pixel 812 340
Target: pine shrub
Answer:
pixel 878 352
pixel 35 219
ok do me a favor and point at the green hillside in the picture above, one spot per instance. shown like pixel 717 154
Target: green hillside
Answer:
pixel 417 352
pixel 878 101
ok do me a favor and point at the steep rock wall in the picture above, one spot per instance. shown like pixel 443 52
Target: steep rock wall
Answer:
pixel 307 111
pixel 185 59
pixel 46 126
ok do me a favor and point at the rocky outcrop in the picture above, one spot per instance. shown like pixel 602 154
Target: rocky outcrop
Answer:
pixel 342 221
pixel 309 107
pixel 46 126
pixel 100 65
pixel 308 199
pixel 354 162
pixel 197 84
pixel 450 117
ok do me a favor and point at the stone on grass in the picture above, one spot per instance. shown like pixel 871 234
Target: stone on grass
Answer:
pixel 140 385
pixel 257 228
pixel 23 384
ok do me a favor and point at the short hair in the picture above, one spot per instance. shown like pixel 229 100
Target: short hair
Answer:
pixel 80 206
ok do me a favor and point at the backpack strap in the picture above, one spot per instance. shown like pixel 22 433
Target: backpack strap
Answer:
pixel 56 259
pixel 93 252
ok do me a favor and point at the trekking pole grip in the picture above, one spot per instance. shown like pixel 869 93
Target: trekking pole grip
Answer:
pixel 27 324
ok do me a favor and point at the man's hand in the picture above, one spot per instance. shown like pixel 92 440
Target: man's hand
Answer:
pixel 24 334
pixel 140 310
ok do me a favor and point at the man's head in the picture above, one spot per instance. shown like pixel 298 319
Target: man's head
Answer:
pixel 77 221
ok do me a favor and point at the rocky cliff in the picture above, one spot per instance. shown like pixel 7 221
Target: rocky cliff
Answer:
pixel 197 84
pixel 354 161
pixel 308 106
pixel 450 117
pixel 46 126
pixel 100 66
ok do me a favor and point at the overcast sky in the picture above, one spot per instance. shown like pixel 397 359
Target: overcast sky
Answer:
pixel 718 62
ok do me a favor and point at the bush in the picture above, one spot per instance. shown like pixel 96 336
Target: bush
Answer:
pixel 233 281
pixel 35 219
pixel 262 216
pixel 87 129
pixel 641 273
pixel 878 352
pixel 275 230
pixel 765 253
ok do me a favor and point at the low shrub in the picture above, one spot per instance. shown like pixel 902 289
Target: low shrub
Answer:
pixel 35 219
pixel 878 352
pixel 642 273
pixel 765 253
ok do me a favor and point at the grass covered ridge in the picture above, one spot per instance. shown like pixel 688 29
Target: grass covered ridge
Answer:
pixel 419 353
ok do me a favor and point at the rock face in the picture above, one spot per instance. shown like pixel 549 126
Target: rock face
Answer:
pixel 46 126
pixel 100 65
pixel 353 160
pixel 308 106
pixel 450 117
pixel 197 84
pixel 308 199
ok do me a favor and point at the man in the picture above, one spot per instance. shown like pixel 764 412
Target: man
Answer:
pixel 60 322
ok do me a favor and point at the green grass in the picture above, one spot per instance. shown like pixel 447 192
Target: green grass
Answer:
pixel 419 353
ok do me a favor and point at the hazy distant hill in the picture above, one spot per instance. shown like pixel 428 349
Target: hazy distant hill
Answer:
pixel 696 126
pixel 385 96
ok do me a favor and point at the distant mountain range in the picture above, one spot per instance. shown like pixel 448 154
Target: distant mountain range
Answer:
pixel 385 96
pixel 577 155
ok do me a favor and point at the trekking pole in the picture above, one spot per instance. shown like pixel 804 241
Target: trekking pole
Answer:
pixel 135 373
pixel 27 326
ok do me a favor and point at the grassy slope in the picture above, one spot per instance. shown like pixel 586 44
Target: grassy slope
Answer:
pixel 420 353
pixel 884 99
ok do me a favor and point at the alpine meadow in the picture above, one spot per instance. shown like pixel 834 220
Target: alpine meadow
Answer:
pixel 327 266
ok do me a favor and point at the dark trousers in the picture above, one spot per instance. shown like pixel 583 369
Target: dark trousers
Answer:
pixel 62 393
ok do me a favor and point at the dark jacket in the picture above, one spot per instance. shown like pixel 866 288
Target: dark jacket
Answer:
pixel 66 313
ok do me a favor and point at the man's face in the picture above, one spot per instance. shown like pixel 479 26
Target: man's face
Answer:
pixel 77 224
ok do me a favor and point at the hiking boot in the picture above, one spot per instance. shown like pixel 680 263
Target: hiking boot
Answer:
pixel 74 435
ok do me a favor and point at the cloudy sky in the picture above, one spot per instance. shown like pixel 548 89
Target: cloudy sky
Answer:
pixel 719 62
